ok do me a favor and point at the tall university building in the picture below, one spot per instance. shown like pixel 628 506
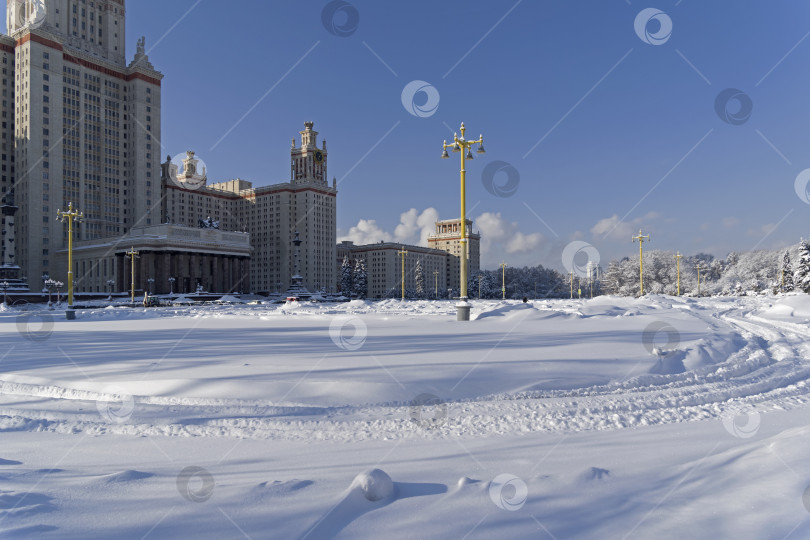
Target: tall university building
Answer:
pixel 79 125
pixel 82 125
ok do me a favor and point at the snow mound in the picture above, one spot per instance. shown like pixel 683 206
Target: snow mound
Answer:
pixel 506 310
pixel 281 488
pixel 375 485
pixel 669 362
pixel 130 475
pixel 464 482
pixel 792 306
pixel 291 305
pixel 230 299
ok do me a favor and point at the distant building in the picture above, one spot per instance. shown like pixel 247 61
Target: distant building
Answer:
pixel 384 267
pixel 271 214
pixel 447 238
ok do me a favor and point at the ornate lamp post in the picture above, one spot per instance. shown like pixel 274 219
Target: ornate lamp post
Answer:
pixel 111 284
pixel 59 286
pixel 699 267
pixel 49 285
pixel 678 257
pixel 403 253
pixel 171 286
pixel 503 280
pixel 641 239
pixel 150 281
pixel 132 254
pixel 572 285
pixel 70 216
pixel 460 144
pixel 5 287
pixel 436 284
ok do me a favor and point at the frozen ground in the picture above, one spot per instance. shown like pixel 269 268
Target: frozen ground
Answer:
pixel 607 418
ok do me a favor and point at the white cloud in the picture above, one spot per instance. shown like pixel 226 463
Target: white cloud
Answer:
pixel 499 237
pixel 730 222
pixel 611 227
pixel 413 228
pixel 523 243
pixel 616 229
pixel 366 232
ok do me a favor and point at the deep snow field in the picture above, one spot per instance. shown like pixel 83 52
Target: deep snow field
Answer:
pixel 658 417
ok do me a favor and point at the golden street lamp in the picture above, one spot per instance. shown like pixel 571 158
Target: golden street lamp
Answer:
pixel 699 267
pixel 132 254
pixel 572 285
pixel 678 257
pixel 403 253
pixel 641 239
pixel 70 216
pixel 503 280
pixel 460 144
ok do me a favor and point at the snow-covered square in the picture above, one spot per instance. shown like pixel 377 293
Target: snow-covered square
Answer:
pixel 658 417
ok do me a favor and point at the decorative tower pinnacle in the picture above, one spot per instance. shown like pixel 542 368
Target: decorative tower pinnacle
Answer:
pixel 308 163
pixel 309 138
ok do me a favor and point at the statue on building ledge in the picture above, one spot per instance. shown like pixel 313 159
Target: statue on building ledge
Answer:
pixel 209 223
pixel 141 59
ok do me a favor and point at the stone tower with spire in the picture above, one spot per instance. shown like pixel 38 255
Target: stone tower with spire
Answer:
pixel 308 162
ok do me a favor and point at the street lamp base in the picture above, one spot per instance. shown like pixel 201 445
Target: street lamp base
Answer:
pixel 463 311
pixel 70 314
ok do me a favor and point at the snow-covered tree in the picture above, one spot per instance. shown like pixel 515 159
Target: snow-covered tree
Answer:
pixel 787 272
pixel 419 277
pixel 360 279
pixel 346 278
pixel 801 278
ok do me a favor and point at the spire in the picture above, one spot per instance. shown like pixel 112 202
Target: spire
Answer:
pixel 309 137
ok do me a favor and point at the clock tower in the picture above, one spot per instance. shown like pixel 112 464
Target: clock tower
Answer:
pixel 308 162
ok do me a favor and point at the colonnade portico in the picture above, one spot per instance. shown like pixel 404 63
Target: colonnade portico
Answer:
pixel 214 272
pixel 219 261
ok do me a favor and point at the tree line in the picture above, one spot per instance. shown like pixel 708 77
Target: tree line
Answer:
pixel 737 274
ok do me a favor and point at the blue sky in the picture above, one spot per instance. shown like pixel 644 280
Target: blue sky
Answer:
pixel 628 131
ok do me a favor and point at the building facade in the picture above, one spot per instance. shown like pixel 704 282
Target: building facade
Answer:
pixel 384 267
pixel 447 238
pixel 79 125
pixel 272 215
pixel 216 261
